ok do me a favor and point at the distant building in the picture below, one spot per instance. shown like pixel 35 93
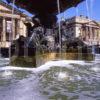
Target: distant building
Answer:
pixel 84 28
pixel 11 26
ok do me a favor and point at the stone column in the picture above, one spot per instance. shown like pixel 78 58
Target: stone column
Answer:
pixel 90 31
pixel 4 30
pixel 87 33
pixel 13 29
pixel 97 36
pixel 97 33
pixel 18 27
pixel 93 32
pixel 83 33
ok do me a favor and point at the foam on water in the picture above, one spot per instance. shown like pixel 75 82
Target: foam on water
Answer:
pixel 47 65
pixel 60 63
pixel 96 69
pixel 6 74
pixel 63 75
pixel 60 76
pixel 15 68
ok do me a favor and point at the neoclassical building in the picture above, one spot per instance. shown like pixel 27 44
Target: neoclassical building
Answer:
pixel 83 28
pixel 11 25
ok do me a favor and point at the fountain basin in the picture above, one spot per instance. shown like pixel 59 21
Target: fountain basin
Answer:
pixel 40 59
pixel 64 79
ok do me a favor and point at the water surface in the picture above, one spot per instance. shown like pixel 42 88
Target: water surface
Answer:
pixel 54 80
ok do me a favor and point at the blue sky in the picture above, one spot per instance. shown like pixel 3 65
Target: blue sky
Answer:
pixel 93 10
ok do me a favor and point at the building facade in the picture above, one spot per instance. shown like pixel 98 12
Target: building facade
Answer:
pixel 11 25
pixel 84 28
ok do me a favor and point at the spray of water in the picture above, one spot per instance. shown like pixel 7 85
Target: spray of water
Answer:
pixel 60 39
pixel 89 16
pixel 91 2
pixel 63 16
pixel 11 34
pixel 31 38
pixel 79 48
pixel 87 8
pixel 77 11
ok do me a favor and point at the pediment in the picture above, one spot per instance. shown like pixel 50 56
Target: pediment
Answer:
pixel 3 7
pixel 95 23
pixel 6 8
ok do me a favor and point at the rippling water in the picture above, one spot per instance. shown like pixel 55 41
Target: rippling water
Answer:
pixel 55 80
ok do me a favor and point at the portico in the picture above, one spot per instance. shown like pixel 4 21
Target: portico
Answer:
pixel 11 25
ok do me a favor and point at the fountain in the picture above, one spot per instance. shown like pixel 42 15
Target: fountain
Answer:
pixel 53 80
pixel 46 13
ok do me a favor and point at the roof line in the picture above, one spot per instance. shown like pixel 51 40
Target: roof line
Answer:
pixel 10 7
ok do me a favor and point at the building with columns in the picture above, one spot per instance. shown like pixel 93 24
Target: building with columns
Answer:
pixel 84 28
pixel 11 25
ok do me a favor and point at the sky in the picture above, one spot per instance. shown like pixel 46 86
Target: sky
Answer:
pixel 90 8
